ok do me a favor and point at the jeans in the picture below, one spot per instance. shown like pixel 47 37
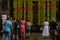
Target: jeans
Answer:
pixel 7 36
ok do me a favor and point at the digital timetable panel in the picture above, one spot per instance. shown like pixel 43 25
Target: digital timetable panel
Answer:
pixel 35 11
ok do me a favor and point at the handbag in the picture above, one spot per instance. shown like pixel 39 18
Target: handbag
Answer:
pixel 41 28
pixel 55 32
pixel 18 26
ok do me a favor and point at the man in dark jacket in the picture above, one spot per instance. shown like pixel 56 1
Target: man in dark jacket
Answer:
pixel 16 28
pixel 58 30
pixel 52 29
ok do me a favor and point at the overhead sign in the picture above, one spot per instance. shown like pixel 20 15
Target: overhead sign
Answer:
pixel 4 16
pixel 17 9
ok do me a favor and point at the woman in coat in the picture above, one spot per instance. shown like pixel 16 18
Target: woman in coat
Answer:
pixel 22 28
pixel 45 29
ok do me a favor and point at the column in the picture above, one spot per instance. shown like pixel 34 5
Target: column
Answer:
pixel 38 12
pixel 25 10
pixel 53 10
pixel 15 6
pixel 42 11
pixel 48 10
pixel 30 12
pixel 20 9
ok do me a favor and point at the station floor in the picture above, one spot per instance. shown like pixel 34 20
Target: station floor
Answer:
pixel 33 36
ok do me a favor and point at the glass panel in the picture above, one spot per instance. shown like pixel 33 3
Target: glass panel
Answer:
pixel 23 9
pixel 46 10
pixel 57 11
pixel 49 10
pixel 35 12
pixel 11 8
pixel 26 10
pixel 4 4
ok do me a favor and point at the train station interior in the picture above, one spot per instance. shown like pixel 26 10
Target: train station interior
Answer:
pixel 37 11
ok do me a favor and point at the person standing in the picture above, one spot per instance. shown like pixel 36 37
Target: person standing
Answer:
pixel 7 29
pixel 45 33
pixel 58 30
pixel 12 30
pixel 16 28
pixel 22 28
pixel 28 28
pixel 52 29
pixel 11 19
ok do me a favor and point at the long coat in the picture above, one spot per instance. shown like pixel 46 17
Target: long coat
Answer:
pixel 45 29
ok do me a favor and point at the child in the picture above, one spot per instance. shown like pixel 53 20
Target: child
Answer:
pixel 28 28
